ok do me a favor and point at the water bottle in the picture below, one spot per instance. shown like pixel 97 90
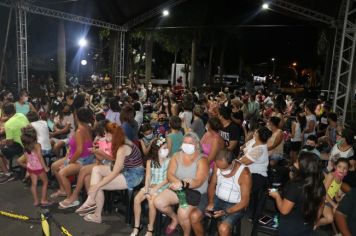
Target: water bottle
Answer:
pixel 275 221
pixel 182 199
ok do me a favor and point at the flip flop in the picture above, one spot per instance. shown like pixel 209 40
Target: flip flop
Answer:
pixel 58 194
pixel 87 213
pixel 92 218
pixel 85 209
pixel 65 205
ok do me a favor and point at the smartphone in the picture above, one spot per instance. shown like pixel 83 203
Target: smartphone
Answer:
pixel 211 212
pixel 265 220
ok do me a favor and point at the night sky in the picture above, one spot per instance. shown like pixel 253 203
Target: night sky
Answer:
pixel 289 39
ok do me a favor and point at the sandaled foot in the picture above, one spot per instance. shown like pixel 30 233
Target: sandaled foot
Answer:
pixel 149 232
pixel 66 204
pixel 92 218
pixel 171 228
pixel 85 208
pixel 136 231
pixel 58 194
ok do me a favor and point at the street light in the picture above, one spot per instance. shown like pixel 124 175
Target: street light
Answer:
pixel 165 12
pixel 83 62
pixel 294 64
pixel 265 6
pixel 82 42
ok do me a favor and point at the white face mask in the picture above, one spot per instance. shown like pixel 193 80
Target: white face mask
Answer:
pixel 25 99
pixel 165 104
pixel 188 148
pixel 163 152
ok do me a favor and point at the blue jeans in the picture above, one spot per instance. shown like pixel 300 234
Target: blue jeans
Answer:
pixel 231 219
pixel 133 176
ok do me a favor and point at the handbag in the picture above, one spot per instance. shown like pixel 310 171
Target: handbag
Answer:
pixel 192 196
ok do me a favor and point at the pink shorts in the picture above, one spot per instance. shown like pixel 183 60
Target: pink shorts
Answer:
pixel 35 172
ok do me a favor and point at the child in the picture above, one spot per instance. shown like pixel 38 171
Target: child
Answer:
pixel 333 182
pixel 156 182
pixel 147 139
pixel 162 127
pixel 175 138
pixel 36 166
pixel 296 141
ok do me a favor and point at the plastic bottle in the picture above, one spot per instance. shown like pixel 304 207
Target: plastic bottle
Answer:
pixel 182 199
pixel 275 221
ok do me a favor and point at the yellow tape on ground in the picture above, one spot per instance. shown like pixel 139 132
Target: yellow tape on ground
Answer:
pixel 12 215
pixel 65 231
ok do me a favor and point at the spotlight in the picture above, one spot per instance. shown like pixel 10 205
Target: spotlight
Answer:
pixel 83 62
pixel 265 6
pixel 272 59
pixel 82 42
pixel 165 12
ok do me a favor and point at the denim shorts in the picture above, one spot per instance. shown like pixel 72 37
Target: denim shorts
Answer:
pixel 133 176
pixel 276 157
pixel 83 161
pixel 231 219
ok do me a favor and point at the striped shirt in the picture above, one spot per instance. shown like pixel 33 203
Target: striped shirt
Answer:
pixel 134 159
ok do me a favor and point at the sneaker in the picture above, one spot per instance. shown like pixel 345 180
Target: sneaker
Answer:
pixel 6 178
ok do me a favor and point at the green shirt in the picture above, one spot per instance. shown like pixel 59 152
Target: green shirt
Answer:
pixel 14 125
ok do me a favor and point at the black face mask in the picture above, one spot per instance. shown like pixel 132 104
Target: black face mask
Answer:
pixel 308 147
pixel 67 113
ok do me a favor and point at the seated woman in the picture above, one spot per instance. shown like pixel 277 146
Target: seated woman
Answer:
pixel 78 155
pixel 155 182
pixel 212 142
pixel 126 173
pixel 229 194
pixel 303 198
pixel 102 152
pixel 187 169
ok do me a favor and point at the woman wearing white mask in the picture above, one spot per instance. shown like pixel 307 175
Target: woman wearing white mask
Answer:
pixel 188 171
pixel 23 105
pixel 155 182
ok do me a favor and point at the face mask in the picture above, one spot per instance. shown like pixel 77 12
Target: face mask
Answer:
pixel 163 152
pixel 339 175
pixel 165 104
pixel 149 136
pixel 106 109
pixel 59 99
pixel 154 90
pixel 188 149
pixel 25 99
pixel 308 147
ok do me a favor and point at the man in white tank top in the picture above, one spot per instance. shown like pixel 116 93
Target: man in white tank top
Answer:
pixel 228 193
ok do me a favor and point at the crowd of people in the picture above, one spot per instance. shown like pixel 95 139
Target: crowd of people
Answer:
pixel 196 153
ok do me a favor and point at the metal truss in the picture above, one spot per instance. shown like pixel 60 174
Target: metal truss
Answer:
pixel 336 50
pixel 21 40
pixel 302 11
pixel 152 13
pixel 122 49
pixel 346 61
pixel 63 15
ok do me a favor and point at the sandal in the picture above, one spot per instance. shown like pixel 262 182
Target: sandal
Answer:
pixel 87 213
pixel 138 232
pixel 85 208
pixel 58 194
pixel 149 232
pixel 64 204
pixel 92 218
